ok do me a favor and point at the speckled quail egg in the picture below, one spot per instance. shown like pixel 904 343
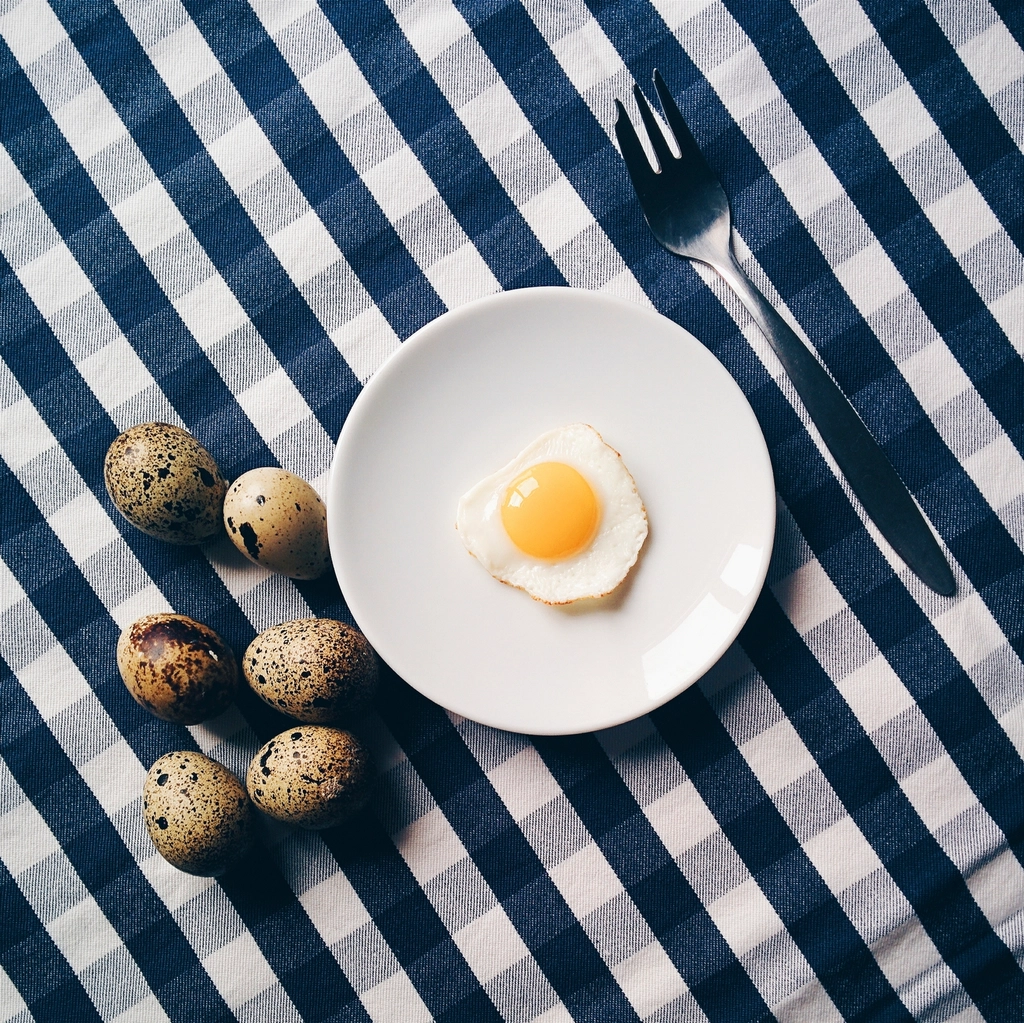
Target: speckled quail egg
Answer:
pixel 563 520
pixel 278 520
pixel 313 669
pixel 197 813
pixel 310 775
pixel 162 480
pixel 177 668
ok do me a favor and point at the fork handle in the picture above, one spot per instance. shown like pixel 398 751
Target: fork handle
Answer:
pixel 870 474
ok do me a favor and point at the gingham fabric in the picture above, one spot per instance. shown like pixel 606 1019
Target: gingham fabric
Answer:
pixel 228 216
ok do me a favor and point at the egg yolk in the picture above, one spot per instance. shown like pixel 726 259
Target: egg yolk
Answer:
pixel 550 511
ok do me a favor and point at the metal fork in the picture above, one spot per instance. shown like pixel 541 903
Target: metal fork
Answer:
pixel 687 209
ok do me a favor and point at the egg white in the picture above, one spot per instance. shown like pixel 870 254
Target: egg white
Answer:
pixel 599 567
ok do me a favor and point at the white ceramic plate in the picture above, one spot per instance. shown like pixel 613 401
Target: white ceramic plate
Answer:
pixel 464 395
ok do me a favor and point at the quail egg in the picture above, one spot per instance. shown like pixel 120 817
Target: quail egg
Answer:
pixel 563 520
pixel 162 480
pixel 177 668
pixel 312 669
pixel 278 520
pixel 197 813
pixel 310 775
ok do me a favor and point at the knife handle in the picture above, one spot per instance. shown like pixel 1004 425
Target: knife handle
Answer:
pixel 864 464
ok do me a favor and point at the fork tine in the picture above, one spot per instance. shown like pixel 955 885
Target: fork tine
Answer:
pixel 654 131
pixel 689 150
pixel 640 171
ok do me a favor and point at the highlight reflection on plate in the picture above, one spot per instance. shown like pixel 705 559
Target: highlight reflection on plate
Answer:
pixel 459 399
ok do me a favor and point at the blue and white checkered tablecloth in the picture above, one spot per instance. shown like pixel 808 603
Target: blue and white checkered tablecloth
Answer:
pixel 228 216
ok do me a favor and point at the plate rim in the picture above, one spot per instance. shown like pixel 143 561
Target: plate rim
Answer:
pixel 363 406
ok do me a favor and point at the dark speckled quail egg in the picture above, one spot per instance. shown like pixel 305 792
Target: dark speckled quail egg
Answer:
pixel 310 775
pixel 164 481
pixel 313 669
pixel 177 668
pixel 197 813
pixel 278 520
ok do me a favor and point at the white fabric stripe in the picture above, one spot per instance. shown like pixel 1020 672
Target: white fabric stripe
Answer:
pixel 11 591
pixel 338 914
pixel 81 932
pixel 469 276
pixel 900 122
pixel 397 992
pixel 12 1005
pixel 935 787
pixel 433 851
pixel 557 215
pixel 24 435
pixel 245 156
pixel 734 901
pixel 810 599
pixel 114 373
pixel 685 824
pixel 208 307
pixel 990 53
pixel 587 882
pixel 840 853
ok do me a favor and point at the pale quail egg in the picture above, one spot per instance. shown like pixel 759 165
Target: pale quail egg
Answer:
pixel 310 775
pixel 197 813
pixel 277 520
pixel 162 480
pixel 563 520
pixel 312 669
pixel 177 668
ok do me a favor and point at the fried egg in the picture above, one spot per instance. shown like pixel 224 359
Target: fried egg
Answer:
pixel 563 520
